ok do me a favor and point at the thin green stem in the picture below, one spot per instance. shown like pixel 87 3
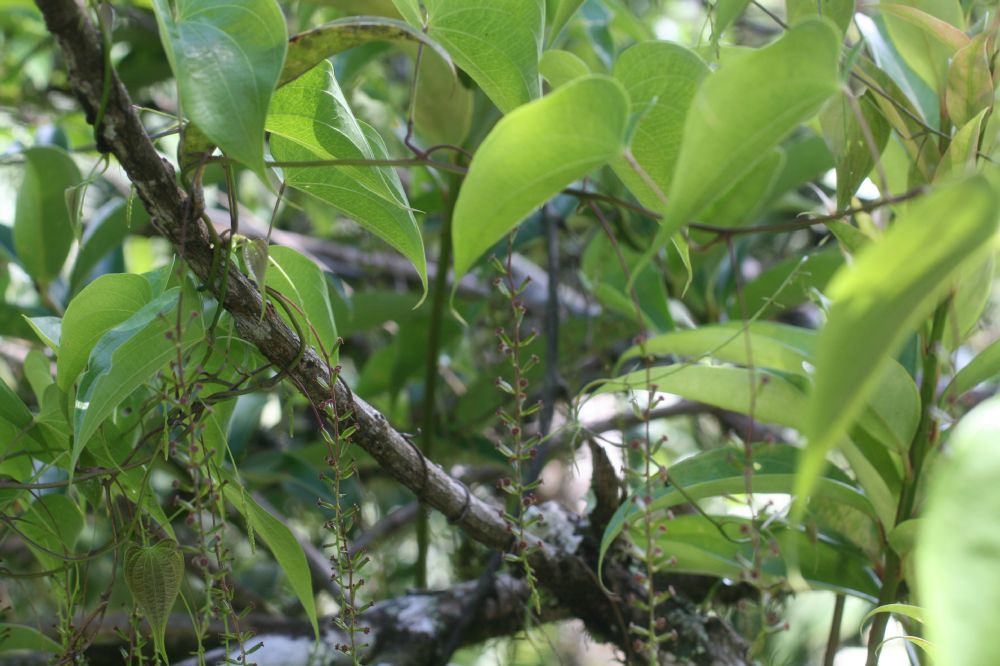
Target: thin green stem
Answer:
pixel 923 442
pixel 438 296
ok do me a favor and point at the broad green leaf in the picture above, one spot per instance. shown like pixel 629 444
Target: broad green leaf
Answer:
pixel 227 58
pixel 53 524
pixel 442 110
pixel 959 543
pixel 963 151
pixel 726 12
pixel 310 48
pixel 558 13
pixel 721 472
pixel 15 637
pixel 769 397
pixel 788 283
pixel 300 280
pixel 746 108
pixel 984 367
pixel 856 134
pixel 103 304
pixel 839 11
pixel 154 575
pixel 892 286
pixel 43 221
pixel 47 329
pixel 695 545
pixel 774 346
pixel 741 202
pixel 110 226
pixel 282 543
pixel 661 79
pixel 975 285
pixel 531 155
pixel 970 84
pixel 925 42
pixel 560 67
pixel 310 120
pixel 129 355
pixel 498 42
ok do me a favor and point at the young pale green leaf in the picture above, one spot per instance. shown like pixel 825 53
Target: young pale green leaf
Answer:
pixel 926 42
pixel 726 12
pixel 283 544
pixel 153 575
pixel 970 83
pixel 15 637
pixel 770 398
pixel 299 279
pixel 311 120
pixel 959 544
pixel 722 472
pixel 43 222
pixel 531 155
pixel 984 367
pixel 129 355
pixel 742 111
pixel 227 58
pixel 560 67
pixel 907 610
pixel 310 48
pixel 558 13
pixel 661 79
pixel 893 285
pixel 103 304
pixel 498 42
pixel 856 134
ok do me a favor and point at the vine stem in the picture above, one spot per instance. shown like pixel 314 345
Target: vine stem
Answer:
pixel 923 442
pixel 440 293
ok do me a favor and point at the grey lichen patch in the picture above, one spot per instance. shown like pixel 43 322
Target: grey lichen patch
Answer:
pixel 418 614
pixel 555 528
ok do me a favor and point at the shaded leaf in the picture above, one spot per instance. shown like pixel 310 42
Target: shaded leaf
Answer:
pixel 855 142
pixel 14 637
pixel 970 84
pixel 43 221
pixel 153 575
pixel 560 67
pixel 302 281
pixel 227 58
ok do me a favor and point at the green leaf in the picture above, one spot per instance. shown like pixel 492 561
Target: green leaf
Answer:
pixel 498 42
pixel 310 48
pixel 302 281
pixel 926 43
pixel 661 79
pixel 907 610
pixel 893 285
pixel 745 198
pixel 129 355
pixel 855 142
pixel 442 110
pixel 154 575
pixel 531 155
pixel 15 637
pixel 103 304
pixel 283 544
pixel 788 283
pixel 697 546
pixel 310 120
pixel 970 84
pixel 558 13
pixel 959 543
pixel 227 58
pixel 776 346
pixel 110 226
pixel 743 110
pixel 839 11
pixel 985 366
pixel 560 67
pixel 43 221
pixel 769 397
pixel 53 524
pixel 726 12
pixel 722 472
